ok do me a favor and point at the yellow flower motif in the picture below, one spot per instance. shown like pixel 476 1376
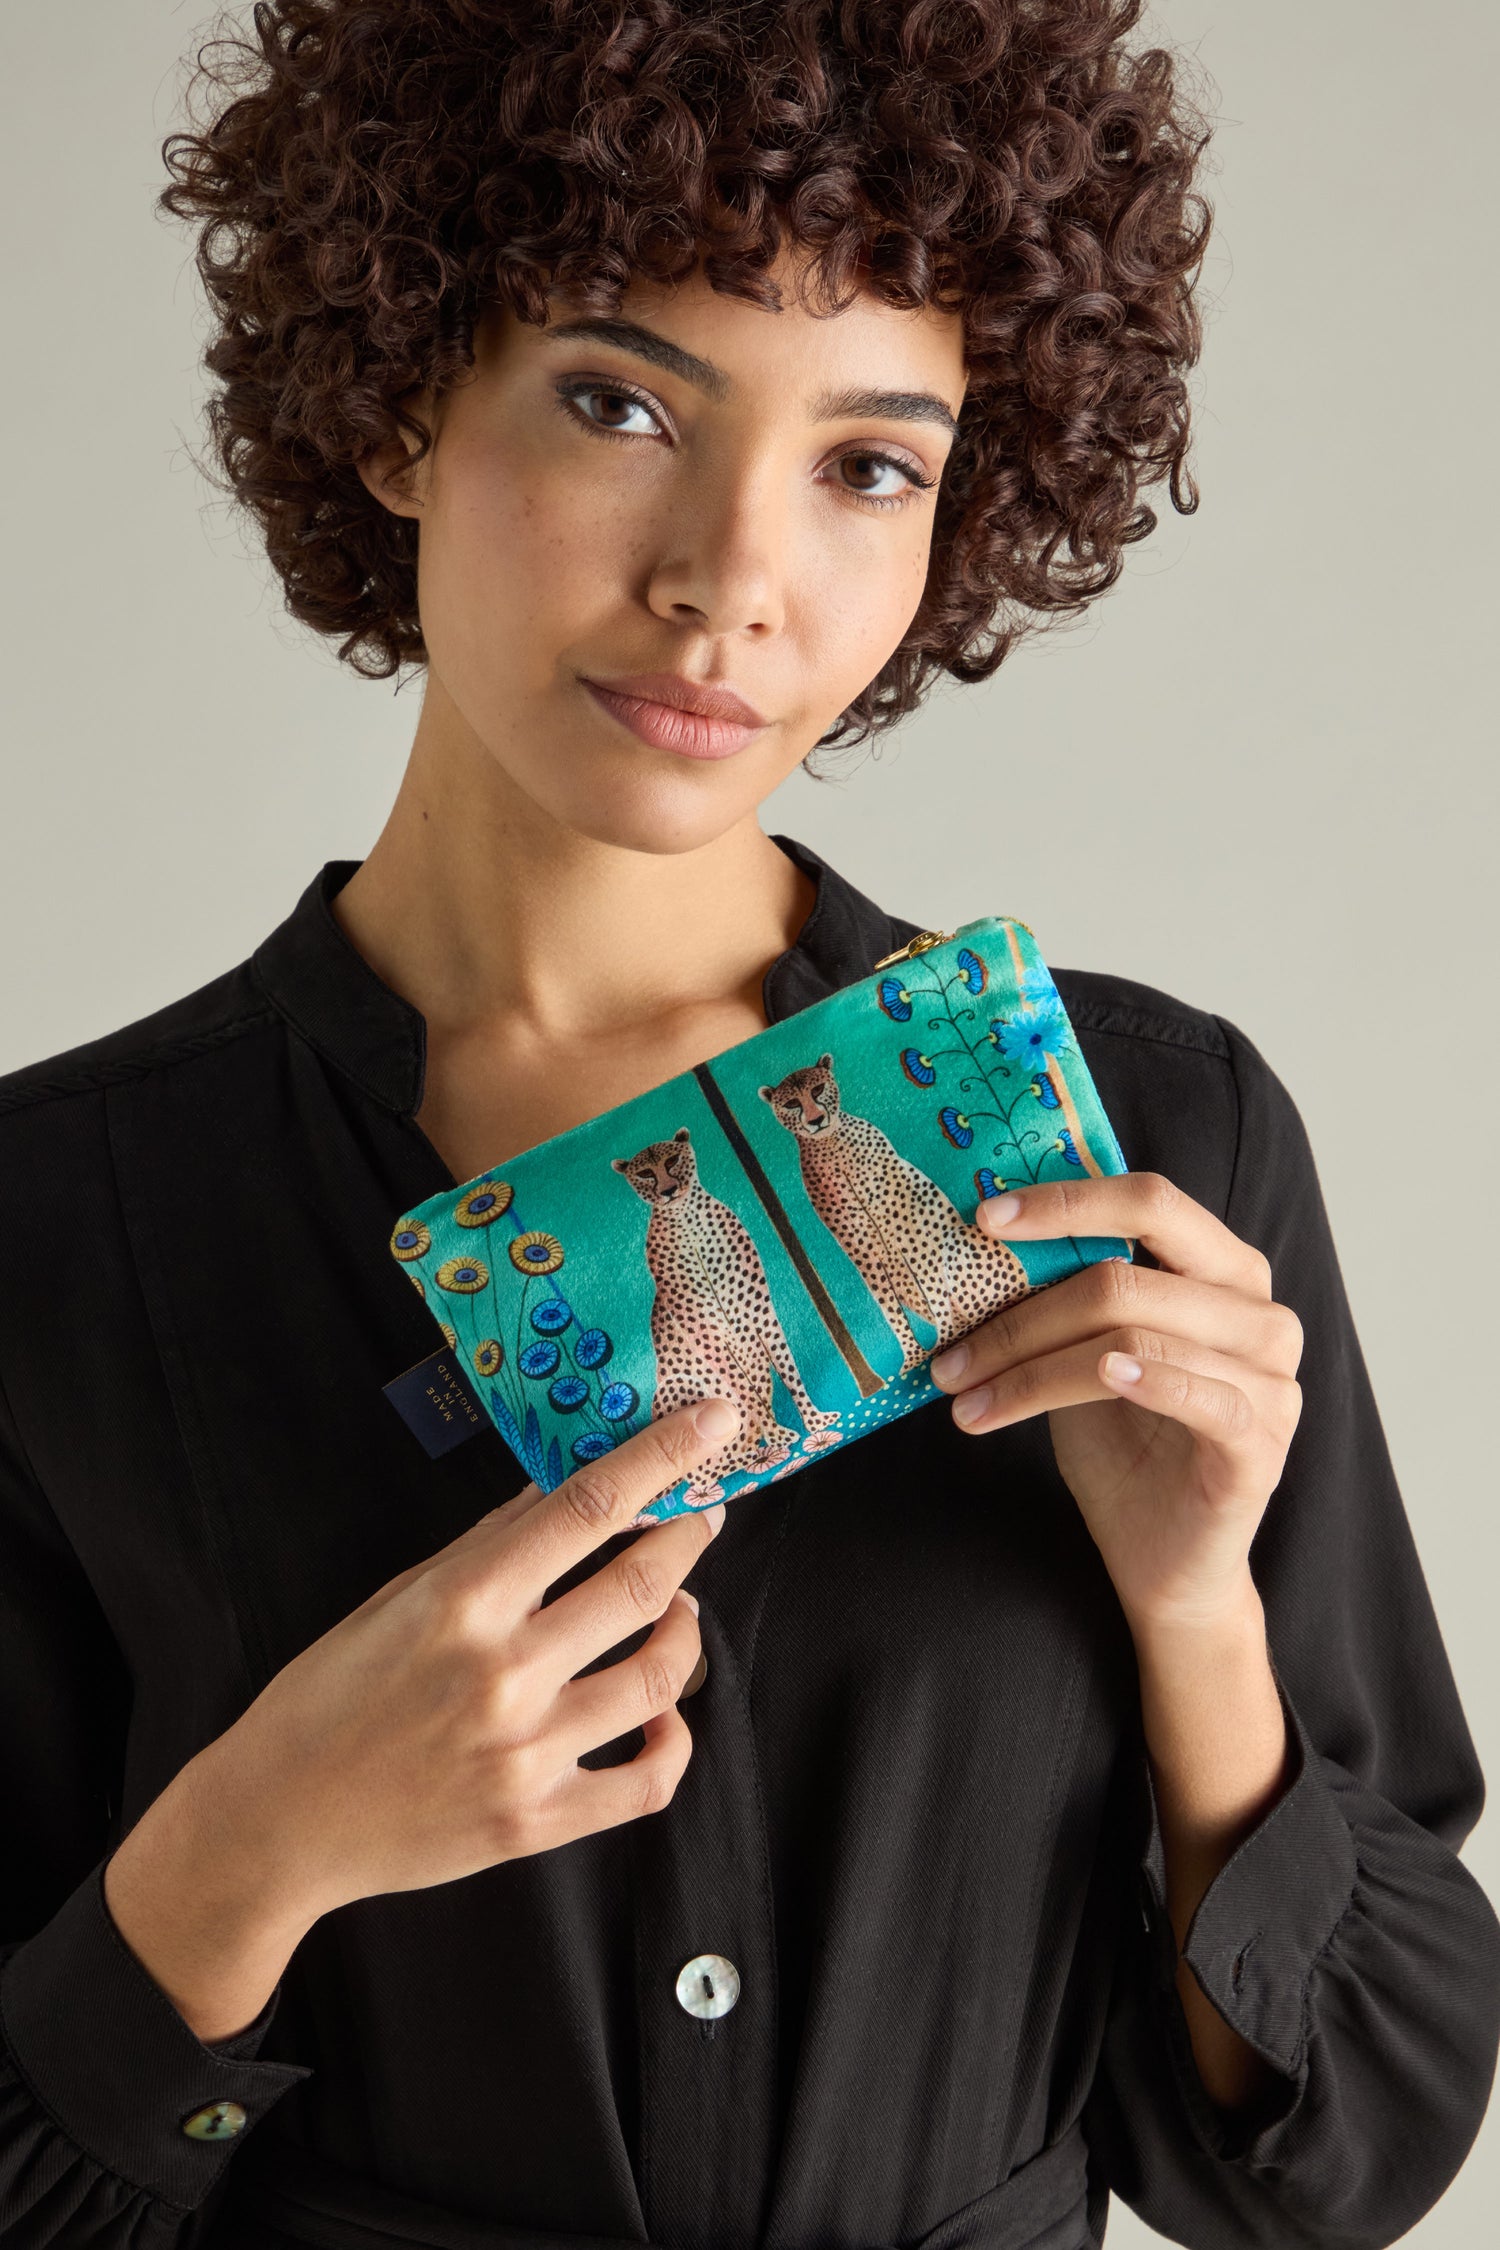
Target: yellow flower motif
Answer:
pixel 487 1357
pixel 462 1275
pixel 451 1334
pixel 536 1252
pixel 410 1240
pixel 417 1283
pixel 484 1204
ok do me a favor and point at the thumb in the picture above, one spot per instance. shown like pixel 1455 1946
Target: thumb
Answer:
pixel 505 1513
pixel 516 1506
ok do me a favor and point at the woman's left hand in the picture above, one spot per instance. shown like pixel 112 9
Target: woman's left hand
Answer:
pixel 1170 1391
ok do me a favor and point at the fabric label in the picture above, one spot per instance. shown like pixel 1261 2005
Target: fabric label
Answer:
pixel 435 1403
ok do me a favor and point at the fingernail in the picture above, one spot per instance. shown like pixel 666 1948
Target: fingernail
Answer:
pixel 998 1208
pixel 690 1599
pixel 717 1418
pixel 714 1518
pixel 973 1404
pixel 1119 1369
pixel 950 1364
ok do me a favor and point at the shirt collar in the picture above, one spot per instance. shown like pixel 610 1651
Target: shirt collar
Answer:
pixel 328 991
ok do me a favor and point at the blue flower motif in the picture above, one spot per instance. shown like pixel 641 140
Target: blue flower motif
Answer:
pixel 568 1393
pixel 539 1359
pixel 917 1068
pixel 593 1348
pixel 1064 1143
pixel 956 1126
pixel 619 1402
pixel 975 975
pixel 550 1315
pixel 988 1182
pixel 591 1446
pixel 1037 986
pixel 895 999
pixel 1032 1034
pixel 1045 1092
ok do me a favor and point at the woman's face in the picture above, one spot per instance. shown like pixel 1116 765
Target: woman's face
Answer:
pixel 694 488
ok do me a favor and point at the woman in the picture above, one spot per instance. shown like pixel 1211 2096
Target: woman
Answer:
pixel 684 389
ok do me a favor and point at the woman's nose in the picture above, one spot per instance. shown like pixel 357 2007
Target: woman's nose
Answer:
pixel 723 560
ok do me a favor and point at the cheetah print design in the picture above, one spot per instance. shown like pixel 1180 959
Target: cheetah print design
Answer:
pixel 909 1243
pixel 713 1326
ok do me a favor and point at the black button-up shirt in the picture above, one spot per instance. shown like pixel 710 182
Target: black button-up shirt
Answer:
pixel 918 1816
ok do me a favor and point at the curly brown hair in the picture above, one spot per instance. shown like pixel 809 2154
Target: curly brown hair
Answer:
pixel 369 175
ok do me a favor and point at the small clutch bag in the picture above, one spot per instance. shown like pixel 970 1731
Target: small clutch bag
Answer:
pixel 789 1224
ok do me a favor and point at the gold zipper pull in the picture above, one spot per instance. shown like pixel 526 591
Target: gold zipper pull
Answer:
pixel 926 939
pixel 921 943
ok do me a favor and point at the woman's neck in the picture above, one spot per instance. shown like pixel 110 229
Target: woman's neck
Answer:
pixel 557 973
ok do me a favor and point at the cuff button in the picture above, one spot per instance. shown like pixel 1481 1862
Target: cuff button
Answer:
pixel 219 2121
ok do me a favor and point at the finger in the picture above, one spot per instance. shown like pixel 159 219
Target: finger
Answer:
pixel 606 1704
pixel 1223 1413
pixel 631 1590
pixel 597 1797
pixel 1075 1376
pixel 1144 1207
pixel 601 1498
pixel 520 1504
pixel 1109 1294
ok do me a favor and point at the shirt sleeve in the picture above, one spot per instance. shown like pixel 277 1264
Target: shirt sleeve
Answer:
pixel 98 2072
pixel 1343 1939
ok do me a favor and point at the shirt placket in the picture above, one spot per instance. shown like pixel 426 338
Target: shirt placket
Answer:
pixel 706 1979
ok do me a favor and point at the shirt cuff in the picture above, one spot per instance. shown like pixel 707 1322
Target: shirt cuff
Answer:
pixel 116 2067
pixel 1256 1934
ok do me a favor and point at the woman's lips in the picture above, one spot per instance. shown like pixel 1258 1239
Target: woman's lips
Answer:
pixel 690 733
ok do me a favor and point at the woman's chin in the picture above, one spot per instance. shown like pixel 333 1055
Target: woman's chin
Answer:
pixel 641 810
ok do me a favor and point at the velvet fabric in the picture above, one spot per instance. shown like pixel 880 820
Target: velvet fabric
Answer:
pixel 791 1224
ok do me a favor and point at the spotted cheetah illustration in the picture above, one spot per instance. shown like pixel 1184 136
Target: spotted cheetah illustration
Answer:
pixel 713 1325
pixel 911 1247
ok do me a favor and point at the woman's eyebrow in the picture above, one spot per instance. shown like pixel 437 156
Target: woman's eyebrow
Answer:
pixel 891 406
pixel 646 344
pixel 630 336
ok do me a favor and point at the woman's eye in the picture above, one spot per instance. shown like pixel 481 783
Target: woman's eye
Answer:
pixel 880 480
pixel 615 409
pixel 880 476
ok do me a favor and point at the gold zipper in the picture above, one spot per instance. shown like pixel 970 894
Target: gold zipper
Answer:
pixel 924 941
pixel 921 943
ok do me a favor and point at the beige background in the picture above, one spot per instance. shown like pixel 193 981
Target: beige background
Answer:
pixel 1258 775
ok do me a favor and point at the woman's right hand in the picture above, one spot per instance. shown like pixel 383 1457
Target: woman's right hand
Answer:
pixel 437 1729
pixel 434 1731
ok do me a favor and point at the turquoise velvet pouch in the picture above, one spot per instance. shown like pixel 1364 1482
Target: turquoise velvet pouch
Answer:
pixel 789 1224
